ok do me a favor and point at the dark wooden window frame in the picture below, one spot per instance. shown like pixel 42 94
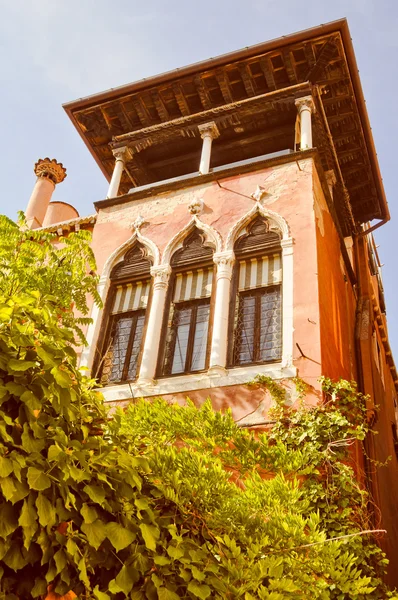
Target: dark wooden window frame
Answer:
pixel 112 323
pixel 257 293
pixel 179 306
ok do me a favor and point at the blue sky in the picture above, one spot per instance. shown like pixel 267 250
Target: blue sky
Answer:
pixel 54 51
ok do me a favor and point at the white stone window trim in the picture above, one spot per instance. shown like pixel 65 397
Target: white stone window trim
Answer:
pixel 280 226
pixel 93 330
pixel 199 381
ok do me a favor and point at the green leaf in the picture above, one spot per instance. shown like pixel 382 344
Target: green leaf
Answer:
pixel 46 511
pixel 61 560
pixel 95 532
pixel 14 558
pixel 40 588
pixel 20 365
pixel 62 377
pixel 126 578
pixel 199 590
pixel 28 514
pixel 5 466
pixel 150 533
pixel 31 401
pixel 161 560
pixel 174 552
pixel 197 574
pixel 38 480
pixel 21 491
pixel 89 513
pixel 29 443
pixel 118 536
pixel 166 594
pixel 46 357
pixel 100 595
pixel 95 493
pixel 7 487
pixel 53 452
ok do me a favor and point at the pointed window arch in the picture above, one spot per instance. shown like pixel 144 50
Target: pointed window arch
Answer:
pixel 256 315
pixel 125 314
pixel 187 330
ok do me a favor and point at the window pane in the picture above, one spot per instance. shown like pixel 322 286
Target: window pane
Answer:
pixel 244 342
pixel 200 339
pixel 181 325
pixel 270 326
pixel 118 348
pixel 135 350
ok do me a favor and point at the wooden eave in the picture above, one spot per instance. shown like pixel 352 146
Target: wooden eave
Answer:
pixel 250 94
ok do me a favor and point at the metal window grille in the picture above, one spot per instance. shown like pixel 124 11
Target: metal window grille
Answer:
pixel 258 312
pixel 125 332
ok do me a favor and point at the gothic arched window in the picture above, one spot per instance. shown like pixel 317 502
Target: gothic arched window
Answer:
pixel 126 305
pixel 256 315
pixel 188 324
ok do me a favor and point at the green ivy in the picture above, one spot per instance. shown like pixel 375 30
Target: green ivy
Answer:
pixel 162 501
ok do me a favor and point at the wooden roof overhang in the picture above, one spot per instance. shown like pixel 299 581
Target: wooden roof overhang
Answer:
pixel 250 95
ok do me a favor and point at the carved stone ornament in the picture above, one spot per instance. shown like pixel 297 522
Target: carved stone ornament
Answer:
pixel 138 223
pixel 224 261
pixel 49 168
pixel 196 207
pixel 120 153
pixel 305 103
pixel 209 130
pixel 161 275
pixel 258 194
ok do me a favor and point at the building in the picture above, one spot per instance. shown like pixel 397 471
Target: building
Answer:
pixel 235 236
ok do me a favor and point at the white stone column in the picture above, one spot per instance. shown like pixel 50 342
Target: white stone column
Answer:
pixel 208 133
pixel 287 302
pixel 150 351
pixel 305 107
pixel 218 355
pixel 120 155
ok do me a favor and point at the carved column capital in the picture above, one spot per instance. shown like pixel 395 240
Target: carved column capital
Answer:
pixel 208 130
pixel 224 262
pixel 305 103
pixel 161 275
pixel 120 153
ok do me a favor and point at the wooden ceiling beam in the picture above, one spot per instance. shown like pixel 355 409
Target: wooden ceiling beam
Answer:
pixel 247 80
pixel 266 68
pixel 324 57
pixel 291 73
pixel 160 105
pixel 141 111
pixel 245 107
pixel 223 82
pixel 202 92
pixel 181 100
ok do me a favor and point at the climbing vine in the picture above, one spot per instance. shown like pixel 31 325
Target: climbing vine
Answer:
pixel 161 501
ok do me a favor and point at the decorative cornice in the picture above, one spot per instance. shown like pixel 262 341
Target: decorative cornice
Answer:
pixel 49 168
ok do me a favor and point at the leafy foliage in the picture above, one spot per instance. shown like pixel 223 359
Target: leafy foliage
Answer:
pixel 162 502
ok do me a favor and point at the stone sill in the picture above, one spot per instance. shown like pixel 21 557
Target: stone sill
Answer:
pixel 199 381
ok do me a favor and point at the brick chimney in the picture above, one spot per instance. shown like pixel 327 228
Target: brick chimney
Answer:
pixel 49 172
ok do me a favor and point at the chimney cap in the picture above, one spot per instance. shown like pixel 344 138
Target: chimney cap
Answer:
pixel 49 168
